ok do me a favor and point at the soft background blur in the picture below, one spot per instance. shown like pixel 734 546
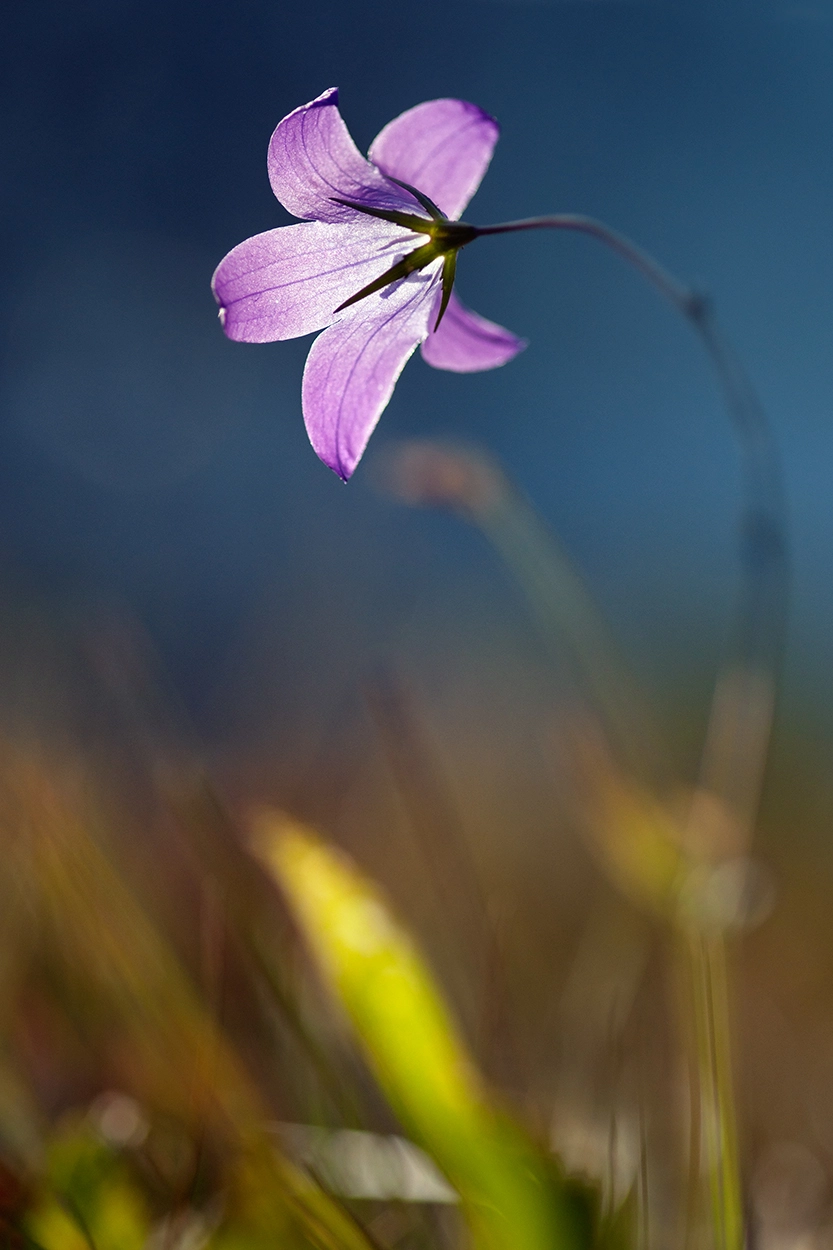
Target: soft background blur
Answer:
pixel 160 505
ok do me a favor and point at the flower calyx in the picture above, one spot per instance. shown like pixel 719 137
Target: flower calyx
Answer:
pixel 445 239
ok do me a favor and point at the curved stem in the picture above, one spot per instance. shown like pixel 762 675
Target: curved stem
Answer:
pixel 665 283
pixel 739 728
pixel 740 719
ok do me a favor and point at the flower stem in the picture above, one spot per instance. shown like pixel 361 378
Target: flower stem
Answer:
pixel 739 727
pixel 740 720
pixel 667 285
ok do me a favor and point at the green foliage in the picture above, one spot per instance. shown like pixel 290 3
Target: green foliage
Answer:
pixel 89 1197
pixel 511 1195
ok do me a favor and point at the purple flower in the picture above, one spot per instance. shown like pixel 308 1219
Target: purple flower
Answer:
pixel 372 265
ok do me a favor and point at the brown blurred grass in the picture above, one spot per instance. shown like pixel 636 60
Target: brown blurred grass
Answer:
pixel 142 950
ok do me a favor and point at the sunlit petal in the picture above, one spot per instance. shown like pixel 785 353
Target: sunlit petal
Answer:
pixel 353 366
pixel 312 161
pixel 443 147
pixel 288 282
pixel 465 342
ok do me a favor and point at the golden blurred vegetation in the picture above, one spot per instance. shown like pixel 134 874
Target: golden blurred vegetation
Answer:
pixel 527 985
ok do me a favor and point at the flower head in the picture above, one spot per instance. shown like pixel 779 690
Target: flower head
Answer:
pixel 372 265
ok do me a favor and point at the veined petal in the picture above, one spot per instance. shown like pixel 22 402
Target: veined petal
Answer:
pixel 442 147
pixel 312 159
pixel 353 366
pixel 289 281
pixel 465 342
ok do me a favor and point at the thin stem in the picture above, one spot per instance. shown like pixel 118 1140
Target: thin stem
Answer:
pixel 706 958
pixel 568 617
pixel 665 283
pixel 737 739
pixel 740 720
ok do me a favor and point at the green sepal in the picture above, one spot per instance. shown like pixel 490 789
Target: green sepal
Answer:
pixel 409 220
pixel 449 270
pixel 409 264
pixel 428 205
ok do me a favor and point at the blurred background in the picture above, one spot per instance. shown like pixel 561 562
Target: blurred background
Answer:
pixel 183 585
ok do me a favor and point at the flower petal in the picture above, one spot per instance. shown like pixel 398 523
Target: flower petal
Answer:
pixel 290 281
pixel 466 342
pixel 313 160
pixel 353 366
pixel 442 148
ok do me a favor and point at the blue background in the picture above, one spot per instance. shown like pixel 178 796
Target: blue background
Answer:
pixel 147 462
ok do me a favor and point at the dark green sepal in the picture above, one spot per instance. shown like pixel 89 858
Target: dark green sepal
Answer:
pixel 449 269
pixel 409 264
pixel 409 220
pixel 428 205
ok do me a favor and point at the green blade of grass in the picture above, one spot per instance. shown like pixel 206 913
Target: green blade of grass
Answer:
pixel 511 1195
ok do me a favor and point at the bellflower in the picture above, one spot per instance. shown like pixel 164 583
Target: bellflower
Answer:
pixel 372 264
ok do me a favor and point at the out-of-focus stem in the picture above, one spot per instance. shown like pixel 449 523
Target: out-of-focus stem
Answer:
pixel 568 621
pixel 566 611
pixel 705 956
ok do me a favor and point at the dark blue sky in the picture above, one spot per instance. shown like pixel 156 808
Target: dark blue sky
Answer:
pixel 144 458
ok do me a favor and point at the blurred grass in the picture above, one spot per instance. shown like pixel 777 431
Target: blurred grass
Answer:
pixel 559 888
pixel 511 1194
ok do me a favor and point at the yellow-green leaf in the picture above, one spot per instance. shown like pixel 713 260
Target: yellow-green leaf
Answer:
pixel 512 1198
